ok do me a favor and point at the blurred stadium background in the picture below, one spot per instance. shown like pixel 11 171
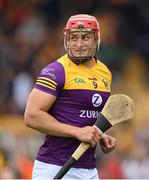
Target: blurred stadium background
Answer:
pixel 31 35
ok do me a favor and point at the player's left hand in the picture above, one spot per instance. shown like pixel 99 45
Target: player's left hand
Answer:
pixel 107 143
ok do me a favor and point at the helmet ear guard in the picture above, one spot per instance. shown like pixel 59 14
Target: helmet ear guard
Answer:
pixel 98 40
pixel 81 23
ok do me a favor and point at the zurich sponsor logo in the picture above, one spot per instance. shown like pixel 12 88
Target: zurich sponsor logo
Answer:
pixel 96 100
pixel 89 114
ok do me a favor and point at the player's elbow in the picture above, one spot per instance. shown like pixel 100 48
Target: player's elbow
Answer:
pixel 29 118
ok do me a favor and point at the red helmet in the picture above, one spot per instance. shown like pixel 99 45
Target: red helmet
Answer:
pixel 85 23
pixel 84 20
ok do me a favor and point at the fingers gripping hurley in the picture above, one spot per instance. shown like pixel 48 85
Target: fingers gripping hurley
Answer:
pixel 118 108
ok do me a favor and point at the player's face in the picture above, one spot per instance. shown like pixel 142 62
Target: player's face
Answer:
pixel 82 44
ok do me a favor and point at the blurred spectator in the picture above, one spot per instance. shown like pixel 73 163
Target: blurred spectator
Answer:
pixel 32 30
pixel 6 170
pixel 111 167
pixel 24 165
pixel 136 166
pixel 22 86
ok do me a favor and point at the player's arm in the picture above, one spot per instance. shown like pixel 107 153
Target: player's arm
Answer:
pixel 36 117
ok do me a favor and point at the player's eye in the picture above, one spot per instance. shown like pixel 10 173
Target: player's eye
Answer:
pixel 73 38
pixel 86 37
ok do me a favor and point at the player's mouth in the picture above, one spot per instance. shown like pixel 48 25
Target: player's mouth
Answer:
pixel 78 51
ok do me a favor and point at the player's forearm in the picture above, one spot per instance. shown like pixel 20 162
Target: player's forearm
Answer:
pixel 47 124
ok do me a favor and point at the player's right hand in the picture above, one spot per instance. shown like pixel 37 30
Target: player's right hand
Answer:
pixel 89 134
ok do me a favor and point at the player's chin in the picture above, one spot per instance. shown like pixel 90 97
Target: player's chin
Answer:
pixel 80 54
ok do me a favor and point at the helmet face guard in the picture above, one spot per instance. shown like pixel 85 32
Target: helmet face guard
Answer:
pixel 81 27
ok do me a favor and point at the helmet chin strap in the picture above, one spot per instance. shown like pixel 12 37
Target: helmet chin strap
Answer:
pixel 80 60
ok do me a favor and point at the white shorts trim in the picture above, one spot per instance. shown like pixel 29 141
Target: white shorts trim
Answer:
pixel 45 171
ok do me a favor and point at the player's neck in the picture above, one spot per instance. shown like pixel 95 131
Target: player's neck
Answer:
pixel 91 63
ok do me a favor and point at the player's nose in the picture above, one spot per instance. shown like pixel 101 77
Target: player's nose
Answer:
pixel 79 42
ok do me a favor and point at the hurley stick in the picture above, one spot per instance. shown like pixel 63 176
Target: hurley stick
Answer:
pixel 118 108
